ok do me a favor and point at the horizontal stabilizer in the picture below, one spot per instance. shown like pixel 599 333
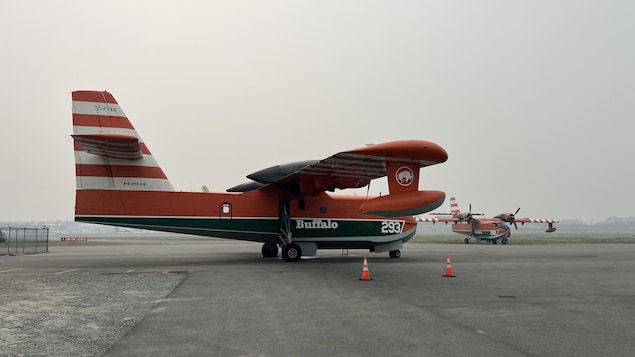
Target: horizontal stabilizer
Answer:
pixel 117 146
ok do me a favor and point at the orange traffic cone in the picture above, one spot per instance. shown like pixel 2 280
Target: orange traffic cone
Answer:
pixel 365 273
pixel 448 269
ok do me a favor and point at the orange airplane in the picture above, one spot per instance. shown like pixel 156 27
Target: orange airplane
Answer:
pixel 492 230
pixel 120 183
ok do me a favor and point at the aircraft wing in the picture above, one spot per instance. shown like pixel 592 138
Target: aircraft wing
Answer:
pixel 437 219
pixel 548 221
pixel 536 220
pixel 347 169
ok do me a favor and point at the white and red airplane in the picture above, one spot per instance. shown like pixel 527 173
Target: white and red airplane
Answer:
pixel 492 230
pixel 120 183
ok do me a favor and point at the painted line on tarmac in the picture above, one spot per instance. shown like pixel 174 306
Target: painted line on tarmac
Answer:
pixel 10 270
pixel 65 271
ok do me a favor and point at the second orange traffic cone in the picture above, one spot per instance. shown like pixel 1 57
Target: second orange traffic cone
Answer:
pixel 448 269
pixel 365 273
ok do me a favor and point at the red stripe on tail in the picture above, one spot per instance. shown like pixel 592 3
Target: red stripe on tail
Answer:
pixel 93 96
pixel 119 171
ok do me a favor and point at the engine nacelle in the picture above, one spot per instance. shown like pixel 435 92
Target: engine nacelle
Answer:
pixel 403 204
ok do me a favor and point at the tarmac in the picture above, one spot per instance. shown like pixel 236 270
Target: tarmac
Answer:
pixel 221 298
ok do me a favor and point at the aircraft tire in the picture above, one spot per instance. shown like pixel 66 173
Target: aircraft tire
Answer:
pixel 291 252
pixel 466 240
pixel 395 254
pixel 269 250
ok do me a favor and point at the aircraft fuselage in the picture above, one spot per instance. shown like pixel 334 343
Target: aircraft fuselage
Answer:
pixel 481 231
pixel 329 221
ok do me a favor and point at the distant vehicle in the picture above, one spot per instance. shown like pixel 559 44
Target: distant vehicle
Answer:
pixel 493 230
pixel 120 183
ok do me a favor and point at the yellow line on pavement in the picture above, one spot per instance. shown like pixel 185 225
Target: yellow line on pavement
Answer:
pixel 130 270
pixel 8 270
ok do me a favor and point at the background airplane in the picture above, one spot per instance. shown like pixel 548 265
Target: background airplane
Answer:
pixel 492 230
pixel 120 183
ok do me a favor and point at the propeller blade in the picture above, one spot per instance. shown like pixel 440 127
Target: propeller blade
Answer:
pixel 514 218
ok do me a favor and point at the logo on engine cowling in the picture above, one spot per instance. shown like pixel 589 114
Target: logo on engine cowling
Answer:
pixel 404 176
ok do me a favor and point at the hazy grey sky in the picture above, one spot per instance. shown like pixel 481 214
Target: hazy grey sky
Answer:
pixel 533 100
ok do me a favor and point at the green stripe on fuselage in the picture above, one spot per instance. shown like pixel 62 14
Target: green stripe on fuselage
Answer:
pixel 478 234
pixel 260 230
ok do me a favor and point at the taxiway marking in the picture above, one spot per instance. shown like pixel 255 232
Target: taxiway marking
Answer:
pixel 65 271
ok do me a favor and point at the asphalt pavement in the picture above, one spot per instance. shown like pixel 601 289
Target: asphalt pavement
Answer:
pixel 221 298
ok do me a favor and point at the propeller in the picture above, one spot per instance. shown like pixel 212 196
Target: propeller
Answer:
pixel 512 218
pixel 470 219
pixel 509 217
pixel 466 217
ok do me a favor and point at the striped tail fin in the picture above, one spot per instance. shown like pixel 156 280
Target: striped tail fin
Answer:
pixel 109 154
pixel 454 206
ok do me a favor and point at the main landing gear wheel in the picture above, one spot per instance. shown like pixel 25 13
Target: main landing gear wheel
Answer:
pixel 291 252
pixel 269 250
pixel 395 254
pixel 466 240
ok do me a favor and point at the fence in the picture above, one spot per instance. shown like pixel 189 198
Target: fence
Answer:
pixel 24 240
